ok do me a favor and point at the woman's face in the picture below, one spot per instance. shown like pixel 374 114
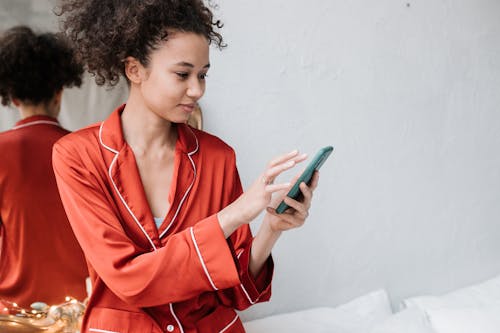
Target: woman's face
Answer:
pixel 175 76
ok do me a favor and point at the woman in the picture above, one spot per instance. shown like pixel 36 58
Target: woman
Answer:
pixel 157 206
pixel 40 259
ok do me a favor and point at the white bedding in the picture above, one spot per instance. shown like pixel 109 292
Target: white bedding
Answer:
pixel 474 309
pixel 356 316
pixel 467 310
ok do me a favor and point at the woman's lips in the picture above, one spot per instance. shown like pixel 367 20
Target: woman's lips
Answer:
pixel 187 107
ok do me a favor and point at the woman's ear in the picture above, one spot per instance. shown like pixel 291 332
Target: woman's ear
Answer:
pixel 134 70
pixel 16 102
pixel 58 97
pixel 53 107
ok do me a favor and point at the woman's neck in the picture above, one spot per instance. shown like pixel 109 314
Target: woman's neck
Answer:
pixel 50 108
pixel 144 130
pixel 27 111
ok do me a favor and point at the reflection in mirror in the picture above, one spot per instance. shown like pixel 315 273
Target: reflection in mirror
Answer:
pixel 40 258
pixel 65 317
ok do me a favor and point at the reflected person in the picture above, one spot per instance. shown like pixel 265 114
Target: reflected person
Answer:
pixel 40 259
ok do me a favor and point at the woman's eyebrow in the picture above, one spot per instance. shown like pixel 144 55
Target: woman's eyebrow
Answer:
pixel 187 64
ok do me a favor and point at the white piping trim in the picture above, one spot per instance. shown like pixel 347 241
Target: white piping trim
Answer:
pixel 102 143
pixel 38 122
pixel 247 295
pixel 242 287
pixel 125 204
pixel 201 259
pixel 229 325
pixel 182 201
pixel 175 317
pixel 239 254
pixel 189 188
pixel 101 331
pixel 118 192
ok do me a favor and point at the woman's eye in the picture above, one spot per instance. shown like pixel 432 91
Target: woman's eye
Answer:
pixel 182 75
pixel 203 76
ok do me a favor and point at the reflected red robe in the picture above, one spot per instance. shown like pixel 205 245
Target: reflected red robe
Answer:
pixel 40 259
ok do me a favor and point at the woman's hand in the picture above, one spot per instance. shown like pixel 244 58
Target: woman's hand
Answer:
pixel 274 223
pixel 295 216
pixel 258 196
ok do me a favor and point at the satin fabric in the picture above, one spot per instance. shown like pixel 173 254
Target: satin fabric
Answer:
pixel 40 259
pixel 182 277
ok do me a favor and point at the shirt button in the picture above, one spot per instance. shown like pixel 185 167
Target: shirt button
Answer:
pixel 170 328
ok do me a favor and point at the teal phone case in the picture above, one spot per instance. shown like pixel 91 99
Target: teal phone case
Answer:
pixel 306 176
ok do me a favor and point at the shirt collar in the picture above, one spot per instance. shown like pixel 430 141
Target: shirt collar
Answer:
pixel 111 134
pixel 34 118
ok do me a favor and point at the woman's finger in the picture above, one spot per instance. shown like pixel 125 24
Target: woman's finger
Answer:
pixel 283 158
pixel 300 158
pixel 299 207
pixel 275 169
pixel 271 173
pixel 278 166
pixel 271 188
pixel 307 193
pixel 289 218
pixel 314 180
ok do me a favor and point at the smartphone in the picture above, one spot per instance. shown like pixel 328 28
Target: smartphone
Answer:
pixel 306 177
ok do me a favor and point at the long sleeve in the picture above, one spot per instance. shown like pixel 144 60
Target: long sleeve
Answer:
pixel 193 261
pixel 250 290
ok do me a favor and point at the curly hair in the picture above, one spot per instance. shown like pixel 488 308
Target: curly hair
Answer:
pixel 34 67
pixel 106 32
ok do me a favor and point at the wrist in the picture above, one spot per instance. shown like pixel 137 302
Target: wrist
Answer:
pixel 267 228
pixel 229 221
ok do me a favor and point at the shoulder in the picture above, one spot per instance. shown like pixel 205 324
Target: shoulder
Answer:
pixel 6 135
pixel 39 133
pixel 7 138
pixel 80 140
pixel 213 145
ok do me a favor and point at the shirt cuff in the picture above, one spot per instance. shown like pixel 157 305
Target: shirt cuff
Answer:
pixel 214 253
pixel 256 288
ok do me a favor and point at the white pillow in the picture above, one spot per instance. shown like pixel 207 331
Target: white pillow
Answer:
pixel 471 309
pixel 411 320
pixel 483 294
pixel 357 316
pixel 466 320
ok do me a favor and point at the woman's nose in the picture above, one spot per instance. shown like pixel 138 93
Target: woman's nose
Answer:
pixel 196 89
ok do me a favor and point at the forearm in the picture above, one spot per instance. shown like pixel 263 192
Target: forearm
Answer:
pixel 230 220
pixel 262 245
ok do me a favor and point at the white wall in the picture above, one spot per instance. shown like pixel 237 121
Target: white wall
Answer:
pixel 408 93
